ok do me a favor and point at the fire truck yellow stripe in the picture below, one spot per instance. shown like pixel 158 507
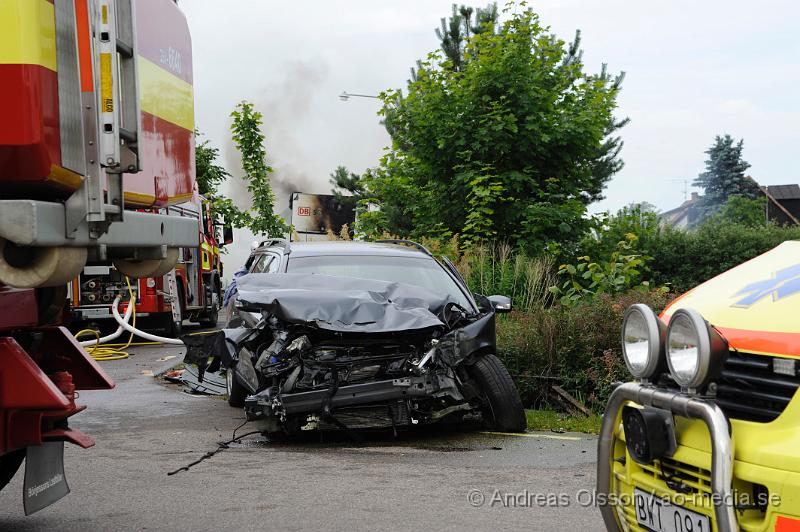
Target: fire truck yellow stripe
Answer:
pixel 165 95
pixel 28 33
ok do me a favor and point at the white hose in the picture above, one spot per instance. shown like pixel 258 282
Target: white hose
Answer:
pixel 115 334
pixel 137 332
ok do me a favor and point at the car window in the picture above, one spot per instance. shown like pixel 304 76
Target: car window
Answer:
pixel 262 263
pixel 418 271
pixel 274 264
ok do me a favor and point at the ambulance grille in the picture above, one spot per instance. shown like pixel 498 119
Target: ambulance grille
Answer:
pixel 750 388
pixel 680 477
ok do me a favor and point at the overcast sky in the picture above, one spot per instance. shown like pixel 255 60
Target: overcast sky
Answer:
pixel 693 70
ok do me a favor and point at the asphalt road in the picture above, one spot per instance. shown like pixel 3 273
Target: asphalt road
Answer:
pixel 426 481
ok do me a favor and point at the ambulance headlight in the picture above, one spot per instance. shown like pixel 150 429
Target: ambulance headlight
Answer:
pixel 643 341
pixel 695 350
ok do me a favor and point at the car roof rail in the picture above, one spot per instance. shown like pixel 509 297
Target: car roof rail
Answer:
pixel 403 242
pixel 275 242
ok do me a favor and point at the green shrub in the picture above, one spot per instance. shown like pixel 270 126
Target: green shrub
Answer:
pixel 576 347
pixel 684 259
pixel 620 272
pixel 609 229
pixel 742 210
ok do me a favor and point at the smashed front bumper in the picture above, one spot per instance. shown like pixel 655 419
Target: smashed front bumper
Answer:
pixel 272 403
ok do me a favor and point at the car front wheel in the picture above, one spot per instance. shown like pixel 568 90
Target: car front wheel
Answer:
pixel 236 392
pixel 502 406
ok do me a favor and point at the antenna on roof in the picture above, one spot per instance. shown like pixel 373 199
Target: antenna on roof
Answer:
pixel 685 187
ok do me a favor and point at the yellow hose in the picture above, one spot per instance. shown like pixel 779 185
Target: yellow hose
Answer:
pixel 117 351
pixel 106 352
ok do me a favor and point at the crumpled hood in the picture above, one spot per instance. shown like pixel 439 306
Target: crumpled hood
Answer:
pixel 342 304
pixel 755 305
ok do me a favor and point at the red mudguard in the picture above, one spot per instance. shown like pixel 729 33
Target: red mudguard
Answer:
pixel 40 370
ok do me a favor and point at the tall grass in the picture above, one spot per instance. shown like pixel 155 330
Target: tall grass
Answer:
pixel 498 269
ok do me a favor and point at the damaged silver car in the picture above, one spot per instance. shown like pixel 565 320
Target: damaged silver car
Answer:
pixel 352 335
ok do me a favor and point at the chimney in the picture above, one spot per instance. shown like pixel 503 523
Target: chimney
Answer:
pixel 695 196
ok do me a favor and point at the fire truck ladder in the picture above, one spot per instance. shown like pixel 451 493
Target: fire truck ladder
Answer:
pixel 110 136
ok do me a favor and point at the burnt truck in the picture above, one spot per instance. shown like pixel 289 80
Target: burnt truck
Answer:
pixel 315 217
pixel 354 335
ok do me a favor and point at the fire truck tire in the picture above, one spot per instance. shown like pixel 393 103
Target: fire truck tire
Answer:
pixel 212 316
pixel 9 464
pixel 148 268
pixel 31 267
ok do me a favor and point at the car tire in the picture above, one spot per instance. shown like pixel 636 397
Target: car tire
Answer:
pixel 9 464
pixel 236 392
pixel 504 411
pixel 211 319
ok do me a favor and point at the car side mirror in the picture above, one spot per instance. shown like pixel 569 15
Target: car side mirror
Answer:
pixel 227 235
pixel 500 304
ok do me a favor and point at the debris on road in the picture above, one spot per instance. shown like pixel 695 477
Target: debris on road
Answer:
pixel 213 382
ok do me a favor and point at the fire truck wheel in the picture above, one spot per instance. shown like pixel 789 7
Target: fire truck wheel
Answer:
pixel 9 463
pixel 148 268
pixel 211 318
pixel 34 267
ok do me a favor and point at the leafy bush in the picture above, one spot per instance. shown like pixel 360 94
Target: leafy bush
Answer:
pixel 684 259
pixel 744 211
pixel 588 279
pixel 639 219
pixel 575 347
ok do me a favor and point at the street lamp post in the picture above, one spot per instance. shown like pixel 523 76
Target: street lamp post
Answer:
pixel 344 96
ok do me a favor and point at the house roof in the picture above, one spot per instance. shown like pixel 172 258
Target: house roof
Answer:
pixel 784 192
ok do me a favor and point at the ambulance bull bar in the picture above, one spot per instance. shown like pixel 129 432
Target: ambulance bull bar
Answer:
pixel 682 405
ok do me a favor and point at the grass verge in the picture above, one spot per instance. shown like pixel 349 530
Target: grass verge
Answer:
pixel 562 422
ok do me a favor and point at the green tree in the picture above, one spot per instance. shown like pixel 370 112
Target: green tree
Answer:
pixel 249 140
pixel 348 188
pixel 724 176
pixel 743 211
pixel 513 144
pixel 210 175
pixel 456 30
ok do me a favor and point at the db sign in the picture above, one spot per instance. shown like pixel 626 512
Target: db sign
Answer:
pixel 304 211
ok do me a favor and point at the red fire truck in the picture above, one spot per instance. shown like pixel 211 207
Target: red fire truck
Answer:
pixel 197 276
pixel 91 91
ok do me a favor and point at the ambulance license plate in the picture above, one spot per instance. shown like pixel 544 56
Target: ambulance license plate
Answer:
pixel 653 513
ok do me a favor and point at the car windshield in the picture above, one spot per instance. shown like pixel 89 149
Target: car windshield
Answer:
pixel 422 272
